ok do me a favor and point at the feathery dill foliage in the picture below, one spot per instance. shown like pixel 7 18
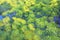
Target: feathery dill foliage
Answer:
pixel 29 20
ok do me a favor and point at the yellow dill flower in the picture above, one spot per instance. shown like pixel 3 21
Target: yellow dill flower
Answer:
pixel 27 3
pixel 31 27
pixel 54 3
pixel 54 0
pixel 19 20
pixel 26 8
pixel 32 1
pixel 12 2
pixel 23 21
pixel 6 20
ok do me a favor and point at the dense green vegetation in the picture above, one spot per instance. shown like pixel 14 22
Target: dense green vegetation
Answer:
pixel 29 20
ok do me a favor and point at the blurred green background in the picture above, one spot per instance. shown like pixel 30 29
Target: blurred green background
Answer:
pixel 29 20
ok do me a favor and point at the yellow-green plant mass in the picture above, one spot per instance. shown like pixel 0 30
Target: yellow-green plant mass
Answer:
pixel 29 19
